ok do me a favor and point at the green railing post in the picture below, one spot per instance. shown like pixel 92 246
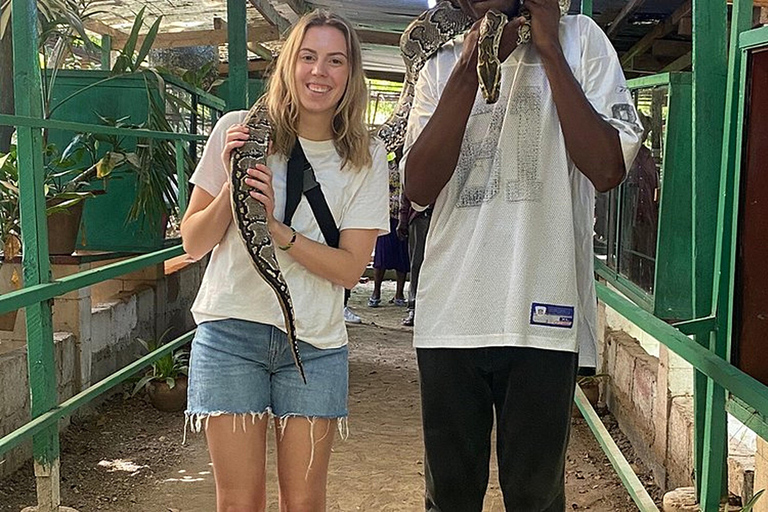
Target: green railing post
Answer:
pixel 106 50
pixel 181 174
pixel 586 8
pixel 37 270
pixel 709 77
pixel 237 31
pixel 714 460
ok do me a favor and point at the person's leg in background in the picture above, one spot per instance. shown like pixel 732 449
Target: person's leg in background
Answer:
pixel 417 236
pixel 349 316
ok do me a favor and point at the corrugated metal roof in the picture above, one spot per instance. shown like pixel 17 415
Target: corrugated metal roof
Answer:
pixel 380 16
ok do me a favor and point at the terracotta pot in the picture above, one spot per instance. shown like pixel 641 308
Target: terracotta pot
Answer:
pixel 168 399
pixel 62 230
pixel 592 391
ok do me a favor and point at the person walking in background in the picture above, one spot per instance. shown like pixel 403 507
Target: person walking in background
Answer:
pixel 391 251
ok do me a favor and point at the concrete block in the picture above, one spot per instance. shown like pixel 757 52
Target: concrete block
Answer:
pixel 741 476
pixel 661 405
pixel 680 443
pixel 644 390
pixel 14 385
pixel 102 334
pixel 627 352
pixel 761 473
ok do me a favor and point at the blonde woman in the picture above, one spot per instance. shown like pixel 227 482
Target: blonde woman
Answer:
pixel 241 370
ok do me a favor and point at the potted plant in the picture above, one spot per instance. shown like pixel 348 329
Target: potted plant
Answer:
pixel 66 187
pixel 166 380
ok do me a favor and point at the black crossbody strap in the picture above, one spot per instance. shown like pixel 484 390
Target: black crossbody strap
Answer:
pixel 297 166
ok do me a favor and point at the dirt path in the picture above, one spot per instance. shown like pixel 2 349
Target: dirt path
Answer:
pixel 129 457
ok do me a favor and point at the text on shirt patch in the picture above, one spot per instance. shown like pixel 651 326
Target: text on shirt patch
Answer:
pixel 552 315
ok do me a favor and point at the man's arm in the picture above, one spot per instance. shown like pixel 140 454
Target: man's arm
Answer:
pixel 592 142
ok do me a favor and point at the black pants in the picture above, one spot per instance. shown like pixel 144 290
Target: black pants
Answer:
pixel 531 391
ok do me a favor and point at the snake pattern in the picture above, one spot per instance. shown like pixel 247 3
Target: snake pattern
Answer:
pixel 427 34
pixel 251 219
pixel 420 41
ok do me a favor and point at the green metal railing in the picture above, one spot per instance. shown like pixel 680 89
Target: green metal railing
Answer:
pixel 40 289
pixel 714 141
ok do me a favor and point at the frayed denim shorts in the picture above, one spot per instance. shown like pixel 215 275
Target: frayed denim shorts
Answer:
pixel 245 368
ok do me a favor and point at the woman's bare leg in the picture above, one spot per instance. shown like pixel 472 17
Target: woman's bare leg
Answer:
pixel 239 454
pixel 303 451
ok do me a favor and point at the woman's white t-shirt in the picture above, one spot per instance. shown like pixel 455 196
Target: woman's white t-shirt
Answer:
pixel 232 288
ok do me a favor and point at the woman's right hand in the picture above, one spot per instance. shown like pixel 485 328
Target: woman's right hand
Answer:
pixel 237 135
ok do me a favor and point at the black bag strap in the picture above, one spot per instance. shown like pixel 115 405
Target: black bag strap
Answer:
pixel 298 166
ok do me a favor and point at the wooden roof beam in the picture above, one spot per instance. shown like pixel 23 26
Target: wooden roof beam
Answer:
pixel 254 66
pixel 299 6
pixel 103 29
pixel 254 47
pixel 256 34
pixel 620 18
pixel 273 17
pixel 680 64
pixel 378 37
pixel 660 30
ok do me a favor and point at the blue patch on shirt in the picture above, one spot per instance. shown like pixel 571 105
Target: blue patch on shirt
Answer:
pixel 552 315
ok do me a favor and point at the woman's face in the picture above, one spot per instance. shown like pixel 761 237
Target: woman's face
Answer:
pixel 322 70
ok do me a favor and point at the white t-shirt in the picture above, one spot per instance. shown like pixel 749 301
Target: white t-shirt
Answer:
pixel 508 257
pixel 232 288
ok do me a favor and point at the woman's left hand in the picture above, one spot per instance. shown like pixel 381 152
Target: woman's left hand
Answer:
pixel 261 181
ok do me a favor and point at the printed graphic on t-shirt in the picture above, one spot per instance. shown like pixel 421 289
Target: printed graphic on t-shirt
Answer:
pixel 552 315
pixel 528 111
pixel 478 170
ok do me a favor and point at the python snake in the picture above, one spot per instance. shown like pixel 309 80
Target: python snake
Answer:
pixel 420 41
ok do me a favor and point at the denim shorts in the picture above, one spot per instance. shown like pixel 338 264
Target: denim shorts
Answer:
pixel 245 368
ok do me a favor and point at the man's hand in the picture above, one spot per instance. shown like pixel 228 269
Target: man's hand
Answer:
pixel 545 26
pixel 509 38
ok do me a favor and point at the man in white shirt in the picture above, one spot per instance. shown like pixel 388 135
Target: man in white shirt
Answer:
pixel 506 294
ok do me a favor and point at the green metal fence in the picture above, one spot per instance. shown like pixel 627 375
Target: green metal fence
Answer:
pixel 704 341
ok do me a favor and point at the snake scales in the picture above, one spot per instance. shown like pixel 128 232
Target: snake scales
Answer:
pixel 419 42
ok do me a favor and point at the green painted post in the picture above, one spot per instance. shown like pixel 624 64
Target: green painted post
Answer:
pixel 106 49
pixel 727 215
pixel 237 31
pixel 37 270
pixel 709 78
pixel 181 175
pixel 714 462
pixel 586 7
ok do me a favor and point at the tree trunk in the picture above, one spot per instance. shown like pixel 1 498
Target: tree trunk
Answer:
pixel 6 87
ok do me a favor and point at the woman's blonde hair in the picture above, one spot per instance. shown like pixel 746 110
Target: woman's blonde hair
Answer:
pixel 350 134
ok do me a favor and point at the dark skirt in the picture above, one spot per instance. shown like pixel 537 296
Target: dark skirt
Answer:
pixel 391 252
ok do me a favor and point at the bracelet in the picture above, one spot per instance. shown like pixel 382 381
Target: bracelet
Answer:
pixel 290 244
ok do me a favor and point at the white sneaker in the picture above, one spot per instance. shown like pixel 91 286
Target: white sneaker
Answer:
pixel 350 317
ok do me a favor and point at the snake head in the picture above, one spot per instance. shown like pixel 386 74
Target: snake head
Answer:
pixel 488 63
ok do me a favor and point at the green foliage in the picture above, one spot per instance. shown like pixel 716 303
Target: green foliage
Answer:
pixel 66 184
pixel 751 503
pixel 165 369
pixel 204 78
pixel 129 61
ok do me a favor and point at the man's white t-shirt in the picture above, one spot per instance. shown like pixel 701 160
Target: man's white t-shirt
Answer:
pixel 508 257
pixel 231 287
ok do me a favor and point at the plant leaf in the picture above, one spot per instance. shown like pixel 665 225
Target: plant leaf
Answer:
pixel 105 166
pixel 146 379
pixel 149 40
